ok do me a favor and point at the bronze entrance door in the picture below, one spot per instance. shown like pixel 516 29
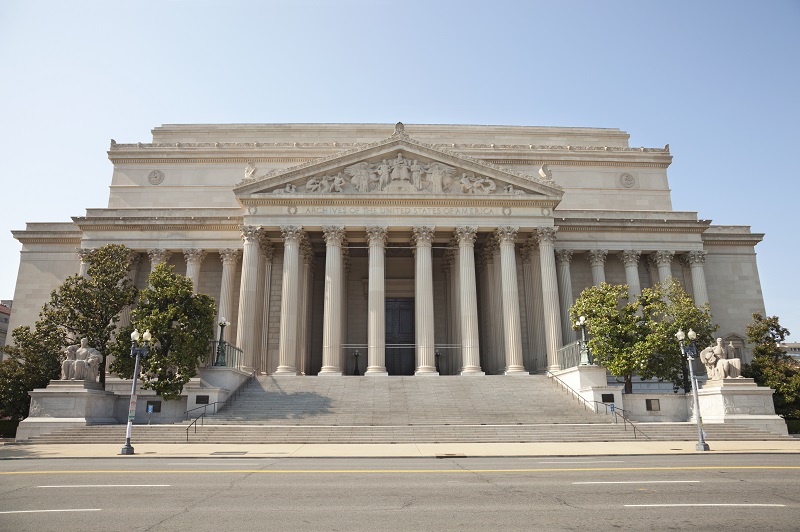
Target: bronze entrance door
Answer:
pixel 400 330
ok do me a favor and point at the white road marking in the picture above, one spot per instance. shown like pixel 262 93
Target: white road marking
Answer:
pixel 699 504
pixel 639 482
pixel 109 486
pixel 44 511
pixel 586 462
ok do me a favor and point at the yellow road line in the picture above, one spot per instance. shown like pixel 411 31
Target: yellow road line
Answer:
pixel 391 471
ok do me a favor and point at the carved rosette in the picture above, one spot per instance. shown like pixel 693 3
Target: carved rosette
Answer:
pixel 377 236
pixel 334 235
pixel 696 257
pixel 564 256
pixel 292 233
pixel 466 236
pixel 229 256
pixel 159 256
pixel 506 235
pixel 663 258
pixel 194 255
pixel 423 236
pixel 547 234
pixel 250 233
pixel 597 257
pixel 630 257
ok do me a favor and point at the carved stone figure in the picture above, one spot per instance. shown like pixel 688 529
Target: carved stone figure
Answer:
pixel 400 169
pixel 250 170
pixel 720 362
pixel 416 174
pixel 383 174
pixel 82 362
pixel 361 176
pixel 438 174
pixel 290 188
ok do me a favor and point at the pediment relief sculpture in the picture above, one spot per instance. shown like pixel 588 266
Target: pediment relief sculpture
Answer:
pixel 399 175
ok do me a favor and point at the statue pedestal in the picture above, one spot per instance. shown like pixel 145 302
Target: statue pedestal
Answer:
pixel 66 404
pixel 740 401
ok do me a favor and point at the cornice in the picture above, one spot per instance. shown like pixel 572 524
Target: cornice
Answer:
pixel 399 200
pixel 29 236
pixel 630 225
pixel 150 224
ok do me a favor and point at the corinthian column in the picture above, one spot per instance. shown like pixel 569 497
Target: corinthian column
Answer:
pixel 630 258
pixel 158 256
pixel 597 259
pixel 248 294
pixel 194 259
pixel 663 260
pixel 307 253
pixel 426 354
pixel 287 349
pixel 332 309
pixel 507 236
pixel 469 301
pixel 376 354
pixel 268 253
pixel 84 256
pixel 564 257
pixel 533 298
pixel 229 258
pixel 552 318
pixel 696 259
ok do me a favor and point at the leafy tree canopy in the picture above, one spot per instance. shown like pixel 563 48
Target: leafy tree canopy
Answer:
pixel 182 325
pixel 772 367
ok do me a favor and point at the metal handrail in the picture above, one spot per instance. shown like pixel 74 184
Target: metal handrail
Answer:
pixel 232 397
pixel 201 417
pixel 593 406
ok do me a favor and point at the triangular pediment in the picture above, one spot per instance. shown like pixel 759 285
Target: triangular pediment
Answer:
pixel 398 165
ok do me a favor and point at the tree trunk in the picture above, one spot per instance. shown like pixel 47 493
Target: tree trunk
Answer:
pixel 628 383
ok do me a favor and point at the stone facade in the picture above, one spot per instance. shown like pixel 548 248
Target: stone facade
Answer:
pixel 429 249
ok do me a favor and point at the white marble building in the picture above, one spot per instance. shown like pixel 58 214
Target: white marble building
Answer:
pixel 429 249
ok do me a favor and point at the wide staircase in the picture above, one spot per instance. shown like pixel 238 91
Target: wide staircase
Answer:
pixel 404 410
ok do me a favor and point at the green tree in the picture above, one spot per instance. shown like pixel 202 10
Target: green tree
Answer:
pixel 182 325
pixel 33 360
pixel 772 367
pixel 89 307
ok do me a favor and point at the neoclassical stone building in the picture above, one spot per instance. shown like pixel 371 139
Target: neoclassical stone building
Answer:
pixel 426 249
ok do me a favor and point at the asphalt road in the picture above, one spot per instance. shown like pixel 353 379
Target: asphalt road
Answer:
pixel 699 492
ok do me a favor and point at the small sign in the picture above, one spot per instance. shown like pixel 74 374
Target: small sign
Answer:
pixel 131 414
pixel 149 409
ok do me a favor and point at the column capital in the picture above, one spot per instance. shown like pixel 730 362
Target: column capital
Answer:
pixel 695 257
pixel 159 256
pixel 376 236
pixel 334 235
pixel 564 256
pixel 630 257
pixel 597 257
pixel 423 235
pixel 506 235
pixel 546 234
pixel 250 233
pixel 466 236
pixel 663 258
pixel 266 247
pixel 229 256
pixel 84 253
pixel 292 233
pixel 526 252
pixel 490 247
pixel 307 250
pixel 196 255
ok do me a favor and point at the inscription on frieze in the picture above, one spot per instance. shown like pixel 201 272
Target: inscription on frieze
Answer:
pixel 408 211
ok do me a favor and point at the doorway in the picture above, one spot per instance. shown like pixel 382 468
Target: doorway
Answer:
pixel 400 330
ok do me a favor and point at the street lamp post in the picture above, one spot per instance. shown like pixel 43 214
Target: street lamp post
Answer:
pixel 221 344
pixel 138 352
pixel 690 351
pixel 581 323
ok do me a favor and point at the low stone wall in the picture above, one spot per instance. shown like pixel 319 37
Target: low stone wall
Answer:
pixel 662 406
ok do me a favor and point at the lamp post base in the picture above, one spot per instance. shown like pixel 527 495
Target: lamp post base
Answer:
pixel 127 448
pixel 701 446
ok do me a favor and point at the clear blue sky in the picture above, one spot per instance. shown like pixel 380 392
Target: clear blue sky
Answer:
pixel 717 80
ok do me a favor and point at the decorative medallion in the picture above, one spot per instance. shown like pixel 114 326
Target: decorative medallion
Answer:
pixel 627 180
pixel 291 209
pixel 156 177
pixel 547 211
pixel 507 211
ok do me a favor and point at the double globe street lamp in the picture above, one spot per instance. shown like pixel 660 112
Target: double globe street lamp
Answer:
pixel 220 361
pixel 689 350
pixel 138 352
pixel 581 323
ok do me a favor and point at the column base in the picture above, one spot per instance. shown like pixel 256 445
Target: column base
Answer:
pixel 515 370
pixel 472 372
pixel 554 367
pixel 426 371
pixel 330 371
pixel 285 371
pixel 376 371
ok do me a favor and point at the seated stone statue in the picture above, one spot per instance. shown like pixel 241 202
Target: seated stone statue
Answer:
pixel 82 362
pixel 720 362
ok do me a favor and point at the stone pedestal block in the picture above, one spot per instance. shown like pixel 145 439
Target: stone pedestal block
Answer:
pixel 63 404
pixel 739 401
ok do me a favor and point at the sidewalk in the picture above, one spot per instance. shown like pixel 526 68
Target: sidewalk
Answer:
pixel 401 450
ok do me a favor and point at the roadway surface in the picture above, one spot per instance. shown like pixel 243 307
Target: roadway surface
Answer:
pixel 700 492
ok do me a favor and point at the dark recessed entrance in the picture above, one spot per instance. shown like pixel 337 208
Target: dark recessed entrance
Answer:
pixel 400 330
